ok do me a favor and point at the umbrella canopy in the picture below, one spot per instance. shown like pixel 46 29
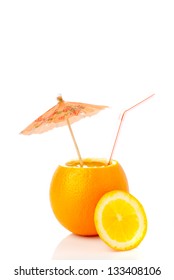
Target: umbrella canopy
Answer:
pixel 59 114
pixel 64 113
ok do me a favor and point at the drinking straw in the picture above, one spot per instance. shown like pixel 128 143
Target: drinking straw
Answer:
pixel 121 121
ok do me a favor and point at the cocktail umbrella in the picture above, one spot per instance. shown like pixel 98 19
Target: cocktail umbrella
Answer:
pixel 64 113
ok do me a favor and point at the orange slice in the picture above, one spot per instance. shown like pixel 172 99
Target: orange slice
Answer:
pixel 120 220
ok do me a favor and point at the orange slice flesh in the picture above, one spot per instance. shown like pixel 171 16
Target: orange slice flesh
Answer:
pixel 120 220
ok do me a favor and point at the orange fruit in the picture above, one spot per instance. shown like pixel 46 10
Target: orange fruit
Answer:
pixel 75 191
pixel 120 220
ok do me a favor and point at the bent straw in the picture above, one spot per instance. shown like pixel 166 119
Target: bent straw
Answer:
pixel 121 120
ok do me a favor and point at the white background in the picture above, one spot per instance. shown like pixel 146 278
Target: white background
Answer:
pixel 111 53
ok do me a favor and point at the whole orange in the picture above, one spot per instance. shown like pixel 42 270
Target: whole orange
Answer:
pixel 75 192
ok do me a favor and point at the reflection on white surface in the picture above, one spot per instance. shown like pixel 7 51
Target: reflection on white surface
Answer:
pixel 77 247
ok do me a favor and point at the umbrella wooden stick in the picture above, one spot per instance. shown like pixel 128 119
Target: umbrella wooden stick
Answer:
pixel 121 121
pixel 75 143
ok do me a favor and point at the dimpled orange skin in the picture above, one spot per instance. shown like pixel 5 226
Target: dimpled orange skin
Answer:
pixel 75 191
